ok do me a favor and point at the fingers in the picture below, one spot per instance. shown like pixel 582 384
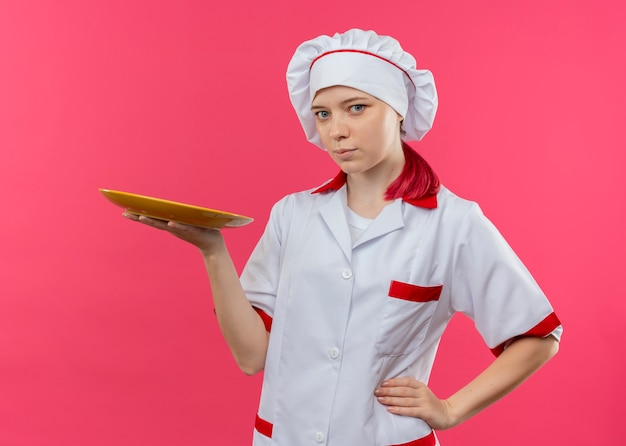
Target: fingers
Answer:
pixel 407 396
pixel 155 223
pixel 205 239
pixel 403 384
pixel 402 405
pixel 403 396
pixel 130 216
pixel 400 391
pixel 407 381
pixel 403 401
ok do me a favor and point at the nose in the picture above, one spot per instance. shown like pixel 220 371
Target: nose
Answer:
pixel 338 128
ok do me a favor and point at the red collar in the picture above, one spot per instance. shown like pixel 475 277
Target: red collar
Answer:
pixel 428 202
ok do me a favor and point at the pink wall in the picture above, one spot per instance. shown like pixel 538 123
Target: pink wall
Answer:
pixel 106 328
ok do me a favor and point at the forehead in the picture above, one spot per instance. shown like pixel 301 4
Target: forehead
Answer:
pixel 337 94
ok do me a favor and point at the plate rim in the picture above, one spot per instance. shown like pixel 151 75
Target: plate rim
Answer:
pixel 114 193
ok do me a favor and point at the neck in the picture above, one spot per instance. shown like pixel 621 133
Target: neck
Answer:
pixel 366 190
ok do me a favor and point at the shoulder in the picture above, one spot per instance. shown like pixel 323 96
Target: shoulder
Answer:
pixel 301 201
pixel 300 198
pixel 467 220
pixel 452 206
pixel 315 194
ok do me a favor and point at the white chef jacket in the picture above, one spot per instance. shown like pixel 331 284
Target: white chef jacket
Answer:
pixel 344 317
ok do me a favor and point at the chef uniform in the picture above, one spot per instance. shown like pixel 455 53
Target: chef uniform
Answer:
pixel 350 302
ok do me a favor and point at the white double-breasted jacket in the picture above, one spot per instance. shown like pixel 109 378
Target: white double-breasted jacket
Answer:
pixel 343 317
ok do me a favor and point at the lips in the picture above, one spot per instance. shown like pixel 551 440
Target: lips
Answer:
pixel 343 151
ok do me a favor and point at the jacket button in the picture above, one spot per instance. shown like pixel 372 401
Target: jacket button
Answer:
pixel 319 437
pixel 346 274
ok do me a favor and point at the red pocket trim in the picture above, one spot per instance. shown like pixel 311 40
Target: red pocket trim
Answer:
pixel 263 427
pixel 428 440
pixel 414 293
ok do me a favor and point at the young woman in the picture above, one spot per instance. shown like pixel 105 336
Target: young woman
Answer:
pixel 345 298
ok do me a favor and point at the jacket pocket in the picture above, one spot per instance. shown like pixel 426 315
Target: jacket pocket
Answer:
pixel 405 317
pixel 414 293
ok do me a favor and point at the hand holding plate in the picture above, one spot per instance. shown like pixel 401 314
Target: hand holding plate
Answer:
pixel 207 240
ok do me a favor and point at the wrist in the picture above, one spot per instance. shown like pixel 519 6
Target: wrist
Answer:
pixel 213 251
pixel 455 416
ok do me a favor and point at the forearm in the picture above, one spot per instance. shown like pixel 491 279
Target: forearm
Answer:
pixel 240 324
pixel 520 360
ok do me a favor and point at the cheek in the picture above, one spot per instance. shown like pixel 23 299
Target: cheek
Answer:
pixel 318 127
pixel 394 120
pixel 390 126
pixel 323 134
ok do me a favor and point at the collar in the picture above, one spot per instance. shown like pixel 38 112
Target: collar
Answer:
pixel 428 202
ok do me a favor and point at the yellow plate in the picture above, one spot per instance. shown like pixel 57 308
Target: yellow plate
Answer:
pixel 174 211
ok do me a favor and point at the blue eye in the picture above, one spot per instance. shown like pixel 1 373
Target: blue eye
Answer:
pixel 357 108
pixel 322 114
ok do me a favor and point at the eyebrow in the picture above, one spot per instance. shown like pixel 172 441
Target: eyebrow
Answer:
pixel 345 101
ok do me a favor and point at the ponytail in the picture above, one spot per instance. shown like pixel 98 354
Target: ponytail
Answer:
pixel 417 180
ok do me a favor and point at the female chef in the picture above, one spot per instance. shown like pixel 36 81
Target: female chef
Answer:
pixel 345 298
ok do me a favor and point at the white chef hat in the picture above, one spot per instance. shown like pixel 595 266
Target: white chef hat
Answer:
pixel 368 62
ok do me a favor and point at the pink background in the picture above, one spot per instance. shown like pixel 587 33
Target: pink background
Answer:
pixel 107 334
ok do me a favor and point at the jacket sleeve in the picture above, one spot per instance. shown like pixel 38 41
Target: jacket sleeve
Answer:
pixel 260 276
pixel 494 288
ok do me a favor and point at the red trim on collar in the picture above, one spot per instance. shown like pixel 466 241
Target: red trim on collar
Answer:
pixel 334 184
pixel 428 202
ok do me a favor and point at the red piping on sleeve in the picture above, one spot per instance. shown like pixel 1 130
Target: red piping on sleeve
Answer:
pixel 266 318
pixel 541 330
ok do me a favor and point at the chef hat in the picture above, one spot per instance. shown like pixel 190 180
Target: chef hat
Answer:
pixel 368 62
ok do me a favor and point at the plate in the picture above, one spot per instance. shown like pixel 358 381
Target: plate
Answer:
pixel 174 211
